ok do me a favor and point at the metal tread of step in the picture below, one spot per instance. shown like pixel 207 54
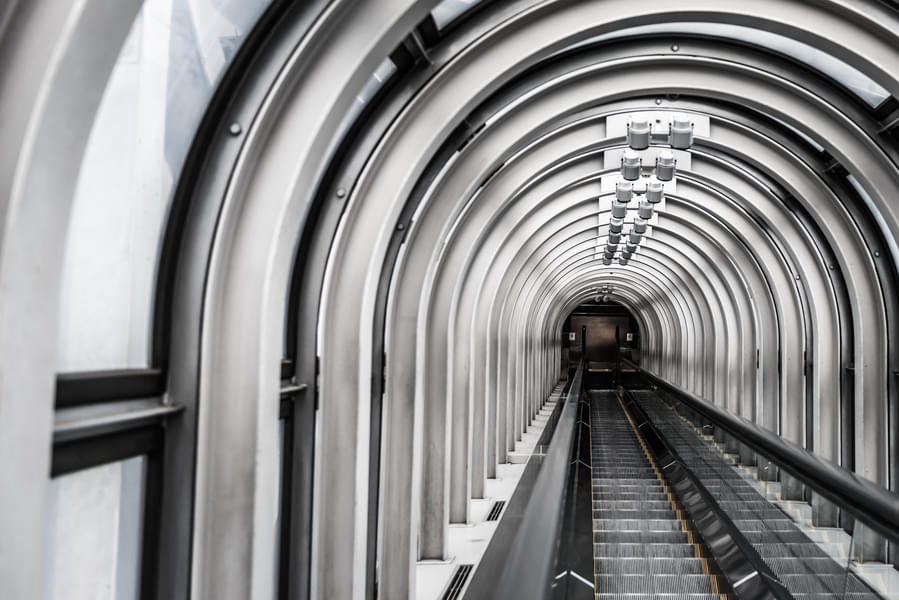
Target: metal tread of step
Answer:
pixel 636 596
pixel 641 537
pixel 647 550
pixel 637 525
pixel 651 566
pixel 655 584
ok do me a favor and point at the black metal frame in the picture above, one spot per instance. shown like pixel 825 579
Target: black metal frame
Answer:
pixel 79 389
pixel 288 397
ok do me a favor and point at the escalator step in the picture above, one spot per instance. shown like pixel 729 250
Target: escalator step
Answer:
pixel 822 583
pixel 662 504
pixel 649 566
pixel 748 523
pixel 628 484
pixel 790 550
pixel 643 550
pixel 632 515
pixel 835 596
pixel 613 495
pixel 774 537
pixel 620 596
pixel 641 537
pixel 795 565
pixel 636 525
pixel 655 584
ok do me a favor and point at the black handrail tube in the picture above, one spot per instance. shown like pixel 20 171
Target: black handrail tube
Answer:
pixel 876 507
pixel 573 578
pixel 528 571
pixel 485 580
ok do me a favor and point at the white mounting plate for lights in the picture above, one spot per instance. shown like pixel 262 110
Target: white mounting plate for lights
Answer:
pixel 604 211
pixel 602 236
pixel 616 125
pixel 611 159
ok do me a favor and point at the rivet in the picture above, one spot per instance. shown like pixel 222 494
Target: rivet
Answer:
pixel 658 100
pixel 831 267
pixel 400 227
pixel 235 129
pixel 877 253
pixel 341 192
pixel 675 47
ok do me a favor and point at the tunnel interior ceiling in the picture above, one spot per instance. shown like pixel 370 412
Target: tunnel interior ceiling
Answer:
pixel 743 283
pixel 444 170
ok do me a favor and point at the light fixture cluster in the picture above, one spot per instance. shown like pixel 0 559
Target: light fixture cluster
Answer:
pixel 602 294
pixel 636 182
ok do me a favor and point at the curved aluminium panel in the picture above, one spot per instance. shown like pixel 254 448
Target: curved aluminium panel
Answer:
pixel 440 361
pixel 431 367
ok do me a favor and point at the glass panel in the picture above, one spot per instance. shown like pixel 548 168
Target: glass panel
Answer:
pixel 449 10
pixel 94 533
pixel 384 71
pixel 165 75
pixel 850 77
pixel 875 213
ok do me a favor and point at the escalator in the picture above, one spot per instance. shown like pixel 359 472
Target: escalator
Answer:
pixel 645 544
pixel 644 547
pixel 673 516
pixel 804 568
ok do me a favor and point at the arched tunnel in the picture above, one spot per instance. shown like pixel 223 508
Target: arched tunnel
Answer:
pixel 334 299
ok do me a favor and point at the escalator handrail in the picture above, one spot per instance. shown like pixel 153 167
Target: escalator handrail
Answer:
pixel 528 570
pixel 875 506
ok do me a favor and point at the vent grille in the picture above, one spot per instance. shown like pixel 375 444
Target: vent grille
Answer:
pixel 457 583
pixel 496 510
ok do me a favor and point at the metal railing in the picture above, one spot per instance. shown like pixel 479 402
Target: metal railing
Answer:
pixel 876 507
pixel 527 563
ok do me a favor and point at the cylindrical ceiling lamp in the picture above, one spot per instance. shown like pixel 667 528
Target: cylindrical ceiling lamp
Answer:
pixel 665 165
pixel 638 133
pixel 654 191
pixel 680 134
pixel 630 165
pixel 624 191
